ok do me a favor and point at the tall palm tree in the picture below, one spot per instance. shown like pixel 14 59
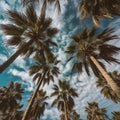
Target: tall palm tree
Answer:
pixel 116 115
pixel 38 106
pixel 106 89
pixel 44 71
pixel 99 9
pixel 27 31
pixel 94 112
pixel 10 98
pixel 64 97
pixel 44 3
pixel 88 47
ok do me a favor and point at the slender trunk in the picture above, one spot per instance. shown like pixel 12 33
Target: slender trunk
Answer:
pixel 25 115
pixel 109 80
pixel 65 109
pixel 14 56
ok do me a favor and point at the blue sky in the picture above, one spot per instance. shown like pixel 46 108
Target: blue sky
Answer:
pixel 68 22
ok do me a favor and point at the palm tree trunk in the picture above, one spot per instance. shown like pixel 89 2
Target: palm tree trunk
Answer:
pixel 109 80
pixel 65 109
pixel 14 56
pixel 25 115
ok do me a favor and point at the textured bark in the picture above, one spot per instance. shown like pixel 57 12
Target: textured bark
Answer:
pixel 14 56
pixel 108 78
pixel 25 115
pixel 65 110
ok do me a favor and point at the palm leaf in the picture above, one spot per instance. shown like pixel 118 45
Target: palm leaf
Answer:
pixel 70 49
pixel 46 23
pixel 13 41
pixel 73 92
pixel 51 42
pixel 57 5
pixel 36 76
pixel 61 105
pixel 31 14
pixel 96 20
pixel 52 31
pixel 10 29
pixel 18 18
pixel 34 69
pixel 85 63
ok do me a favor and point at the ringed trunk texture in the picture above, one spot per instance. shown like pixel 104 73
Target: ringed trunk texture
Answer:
pixel 109 80
pixel 14 56
pixel 25 115
pixel 65 109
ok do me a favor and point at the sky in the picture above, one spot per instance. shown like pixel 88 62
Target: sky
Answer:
pixel 68 23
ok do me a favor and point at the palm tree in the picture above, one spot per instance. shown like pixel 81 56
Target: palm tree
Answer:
pixel 88 47
pixel 44 71
pixel 72 115
pixel 106 89
pixel 15 114
pixel 28 31
pixel 10 98
pixel 45 3
pixel 116 116
pixel 94 112
pixel 38 106
pixel 99 9
pixel 64 97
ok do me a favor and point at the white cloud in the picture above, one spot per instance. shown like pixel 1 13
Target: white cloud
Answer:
pixel 4 6
pixel 57 18
pixel 51 114
pixel 20 62
pixel 2 58
pixel 24 75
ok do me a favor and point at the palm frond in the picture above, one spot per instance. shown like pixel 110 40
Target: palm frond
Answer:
pixel 36 76
pixel 57 5
pixel 55 101
pixel 70 49
pixel 96 20
pixel 112 50
pixel 61 105
pixel 55 87
pixel 31 14
pixel 34 69
pixel 52 31
pixel 10 29
pixel 14 41
pixel 29 2
pixel 51 42
pixel 18 18
pixel 46 24
pixel 71 103
pixel 85 63
pixel 73 92
pixel 55 71
pixel 43 9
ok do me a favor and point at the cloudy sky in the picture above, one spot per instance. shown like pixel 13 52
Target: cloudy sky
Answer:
pixel 68 23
